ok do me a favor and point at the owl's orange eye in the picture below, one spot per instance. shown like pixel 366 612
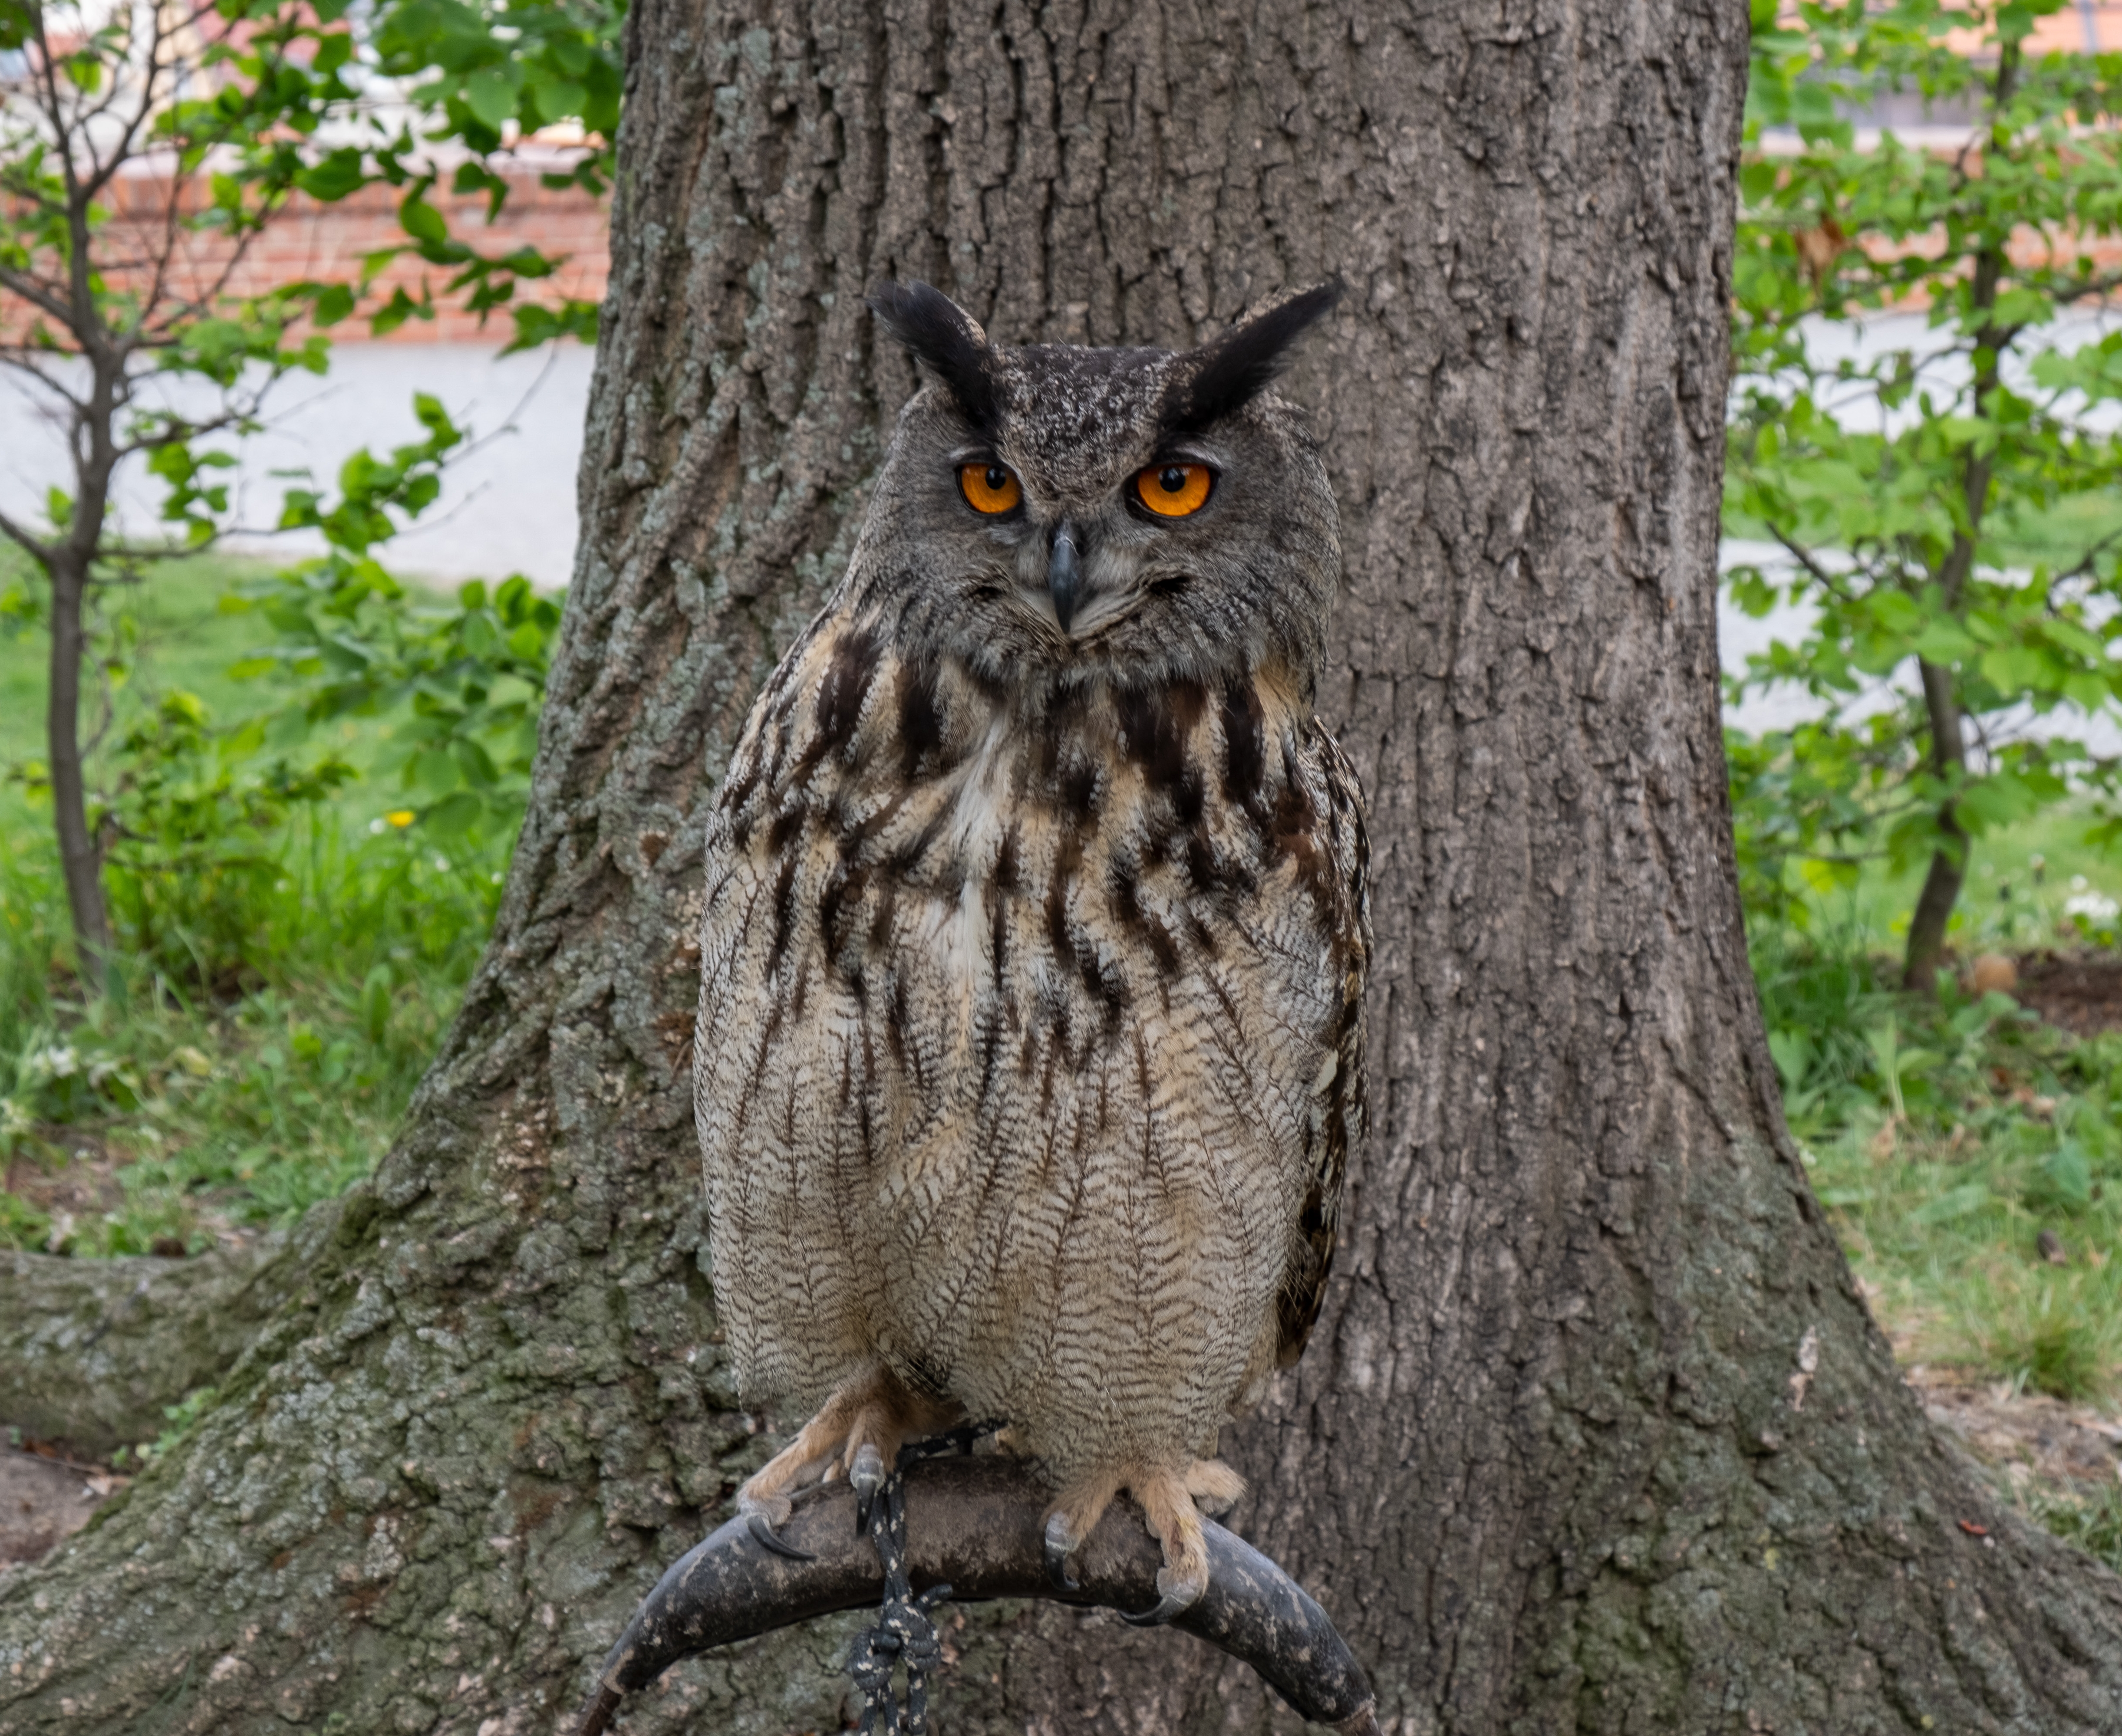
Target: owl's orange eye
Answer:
pixel 990 489
pixel 1173 491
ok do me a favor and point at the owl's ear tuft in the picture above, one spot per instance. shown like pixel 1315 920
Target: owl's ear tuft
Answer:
pixel 945 340
pixel 1228 372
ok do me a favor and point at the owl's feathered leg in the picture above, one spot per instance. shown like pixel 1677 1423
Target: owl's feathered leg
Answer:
pixel 858 1431
pixel 1167 1499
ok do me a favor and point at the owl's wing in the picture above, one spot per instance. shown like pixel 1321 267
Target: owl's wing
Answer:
pixel 1338 1101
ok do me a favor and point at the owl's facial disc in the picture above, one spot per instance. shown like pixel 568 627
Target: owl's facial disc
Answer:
pixel 1084 557
pixel 1085 565
pixel 1057 512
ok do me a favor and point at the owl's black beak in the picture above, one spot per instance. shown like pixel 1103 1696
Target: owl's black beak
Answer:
pixel 1064 570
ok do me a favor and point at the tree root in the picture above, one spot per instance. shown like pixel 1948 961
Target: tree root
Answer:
pixel 95 1350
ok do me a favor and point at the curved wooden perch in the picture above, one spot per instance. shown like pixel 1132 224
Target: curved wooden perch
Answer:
pixel 977 1524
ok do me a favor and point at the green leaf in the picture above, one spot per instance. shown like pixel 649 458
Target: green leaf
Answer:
pixel 2066 1177
pixel 422 222
pixel 455 816
pixel 561 99
pixel 475 765
pixel 335 176
pixel 492 95
pixel 1945 642
pixel 1792 1053
pixel 435 770
pixel 479 637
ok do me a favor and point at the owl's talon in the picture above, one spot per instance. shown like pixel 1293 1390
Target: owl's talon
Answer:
pixel 866 1479
pixel 762 1529
pixel 1058 1546
pixel 1167 1607
pixel 762 1512
pixel 1174 1597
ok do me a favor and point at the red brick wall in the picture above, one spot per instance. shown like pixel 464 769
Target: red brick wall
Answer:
pixel 308 240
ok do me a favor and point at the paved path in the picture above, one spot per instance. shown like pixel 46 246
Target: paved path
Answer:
pixel 508 506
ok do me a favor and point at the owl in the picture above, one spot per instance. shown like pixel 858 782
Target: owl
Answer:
pixel 1029 1046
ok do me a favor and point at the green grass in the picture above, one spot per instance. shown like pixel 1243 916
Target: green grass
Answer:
pixel 185 640
pixel 2013 900
pixel 1944 1136
pixel 184 631
pixel 192 1102
pixel 2093 1523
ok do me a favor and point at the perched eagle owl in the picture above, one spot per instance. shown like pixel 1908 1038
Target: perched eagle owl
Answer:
pixel 1030 1047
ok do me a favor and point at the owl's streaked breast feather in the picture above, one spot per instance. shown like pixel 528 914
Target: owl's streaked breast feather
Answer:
pixel 972 911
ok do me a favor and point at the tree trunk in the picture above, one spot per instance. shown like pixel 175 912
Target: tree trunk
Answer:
pixel 1948 743
pixel 1948 862
pixel 81 857
pixel 1595 1432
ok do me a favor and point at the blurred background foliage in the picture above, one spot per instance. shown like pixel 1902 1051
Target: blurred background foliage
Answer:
pixel 299 783
pixel 1925 444
pixel 144 151
pixel 1953 672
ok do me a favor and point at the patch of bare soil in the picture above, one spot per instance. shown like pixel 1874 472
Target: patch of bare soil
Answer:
pixel 45 1498
pixel 79 1185
pixel 2080 992
pixel 2032 1439
pixel 83 1184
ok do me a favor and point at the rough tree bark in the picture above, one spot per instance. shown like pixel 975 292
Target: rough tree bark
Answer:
pixel 1595 1432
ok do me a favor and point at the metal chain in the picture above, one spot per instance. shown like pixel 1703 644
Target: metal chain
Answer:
pixel 905 1630
pixel 905 1633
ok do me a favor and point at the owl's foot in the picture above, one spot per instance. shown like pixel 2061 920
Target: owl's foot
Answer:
pixel 857 1433
pixel 1167 1501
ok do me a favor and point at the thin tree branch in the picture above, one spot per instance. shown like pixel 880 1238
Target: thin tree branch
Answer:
pixel 122 150
pixel 23 361
pixel 177 431
pixel 2083 566
pixel 35 548
pixel 2102 286
pixel 1827 581
pixel 55 113
pixel 38 293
